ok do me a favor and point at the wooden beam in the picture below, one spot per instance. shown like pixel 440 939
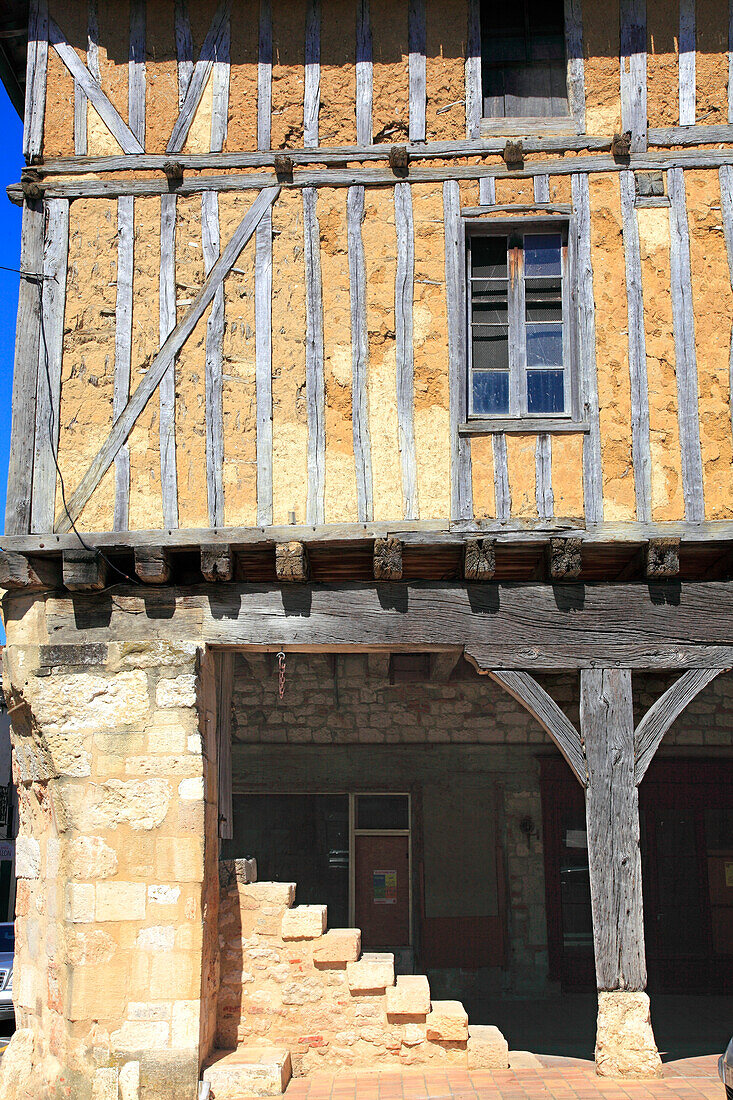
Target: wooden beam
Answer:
pixel 220 90
pixel 184 49
pixel 533 697
pixel 312 82
pixel 633 72
pixel 123 350
pixel 576 68
pixel 364 73
pixel 214 366
pixel 592 468
pixel 687 50
pixel 664 712
pixel 167 386
pixel 263 365
pixel 152 564
pixel 19 572
pixel 136 70
pixel 442 665
pixel 378 665
pixel 404 351
pixel 472 70
pixel 387 559
pixel 726 197
pixel 291 563
pixel 663 558
pixel 217 563
pixel 264 76
pixel 417 45
pixel 502 492
pixel 479 559
pixel 565 559
pixel 612 819
pixel 455 289
pixel 211 51
pixel 35 80
pixel 157 368
pixel 359 353
pixel 314 379
pixel 84 570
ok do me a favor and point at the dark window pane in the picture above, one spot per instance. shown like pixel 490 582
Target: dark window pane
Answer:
pixel 490 347
pixel 542 254
pixel 545 391
pixel 488 257
pixel 543 300
pixel 491 392
pixel 523 58
pixel 544 345
pixel 490 309
pixel 382 811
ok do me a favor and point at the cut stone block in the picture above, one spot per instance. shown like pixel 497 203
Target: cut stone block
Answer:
pixel 255 894
pixel 625 1045
pixel 338 947
pixel 487 1048
pixel 304 922
pixel 448 1022
pixel 248 1071
pixel 409 997
pixel 373 972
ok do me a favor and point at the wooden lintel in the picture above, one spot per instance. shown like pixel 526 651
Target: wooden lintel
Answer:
pixel 663 557
pixel 217 563
pixel 84 570
pixel 152 564
pixel 291 563
pixel 565 559
pixel 22 572
pixel 479 559
pixel 387 559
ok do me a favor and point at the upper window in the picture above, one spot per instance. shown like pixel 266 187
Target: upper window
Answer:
pixel 523 65
pixel 519 317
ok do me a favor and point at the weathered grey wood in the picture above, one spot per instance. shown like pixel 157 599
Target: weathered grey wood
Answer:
pixel 443 664
pixel 211 51
pixel 152 564
pixel 217 562
pixel 502 493
pixel 565 559
pixel 525 689
pixel 116 125
pixel 359 353
pixel 541 190
pixel 263 367
pixel 157 368
pixel 684 344
pixel 663 558
pixel 633 72
pixel 544 497
pixel 691 135
pixel 291 563
pixel 640 444
pixel 312 84
pixel 417 44
pixel 167 391
pixel 726 197
pixel 80 100
pixel 123 350
pixel 455 290
pixel 314 380
pixel 687 77
pixel 18 572
pixel 592 469
pixel 50 348
pixel 364 73
pixel 527 426
pixel 387 559
pixel 25 371
pixel 576 68
pixel 563 208
pixel 474 96
pixel 136 70
pixel 35 80
pixel 224 666
pixel 404 295
pixel 730 61
pixel 220 90
pixel 612 818
pixel 84 570
pixel 479 559
pixel 664 712
pixel 264 76
pixel 184 49
pixel 214 366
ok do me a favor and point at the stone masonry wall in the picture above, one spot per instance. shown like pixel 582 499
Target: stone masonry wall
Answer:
pixel 110 769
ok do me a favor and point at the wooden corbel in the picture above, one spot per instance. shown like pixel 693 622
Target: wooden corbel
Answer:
pixel 513 154
pixel 173 170
pixel 479 559
pixel 399 160
pixel 621 145
pixel 284 168
pixel 291 563
pixel 387 560
pixel 565 559
pixel 663 558
pixel 30 183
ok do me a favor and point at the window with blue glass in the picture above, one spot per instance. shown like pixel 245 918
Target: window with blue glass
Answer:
pixel 518 350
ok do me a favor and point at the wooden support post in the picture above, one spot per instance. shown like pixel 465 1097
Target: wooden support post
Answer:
pixel 217 563
pixel 387 560
pixel 291 563
pixel 152 564
pixel 565 559
pixel 378 665
pixel 28 573
pixel 625 1043
pixel 442 665
pixel 479 559
pixel 84 570
pixel 663 558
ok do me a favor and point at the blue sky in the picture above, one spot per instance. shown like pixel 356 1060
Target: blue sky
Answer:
pixel 11 162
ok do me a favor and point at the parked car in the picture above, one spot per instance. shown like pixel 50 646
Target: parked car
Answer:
pixel 725 1069
pixel 7 947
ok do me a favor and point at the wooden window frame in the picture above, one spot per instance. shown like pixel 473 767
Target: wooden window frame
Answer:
pixel 518 419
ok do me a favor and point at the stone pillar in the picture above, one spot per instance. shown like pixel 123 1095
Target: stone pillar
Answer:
pixel 625 1045
pixel 110 931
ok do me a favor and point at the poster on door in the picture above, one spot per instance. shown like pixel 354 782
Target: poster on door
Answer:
pixel 384 891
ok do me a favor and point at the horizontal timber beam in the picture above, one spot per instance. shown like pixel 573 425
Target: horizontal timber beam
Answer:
pixel 500 626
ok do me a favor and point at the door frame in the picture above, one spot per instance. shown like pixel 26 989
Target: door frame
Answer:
pixel 354 833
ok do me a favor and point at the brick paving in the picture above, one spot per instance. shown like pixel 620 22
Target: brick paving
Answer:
pixel 549 1079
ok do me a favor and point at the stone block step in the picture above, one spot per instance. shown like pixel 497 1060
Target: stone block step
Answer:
pixel 410 996
pixel 373 973
pixel 447 1022
pixel 487 1048
pixel 248 1071
pixel 337 947
pixel 304 922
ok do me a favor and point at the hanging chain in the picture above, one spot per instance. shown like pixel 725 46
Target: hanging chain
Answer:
pixel 281 673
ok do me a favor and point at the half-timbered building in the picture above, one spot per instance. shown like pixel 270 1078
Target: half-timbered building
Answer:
pixel 369 539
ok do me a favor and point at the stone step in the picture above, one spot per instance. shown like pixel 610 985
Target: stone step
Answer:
pixel 373 973
pixel 337 947
pixel 487 1048
pixel 447 1022
pixel 409 997
pixel 248 1071
pixel 304 922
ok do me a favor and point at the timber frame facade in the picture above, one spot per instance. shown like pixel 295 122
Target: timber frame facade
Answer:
pixel 241 425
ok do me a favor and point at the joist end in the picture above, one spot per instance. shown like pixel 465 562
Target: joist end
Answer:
pixel 217 563
pixel 84 570
pixel 387 559
pixel 152 564
pixel 291 563
pixel 565 559
pixel 479 559
pixel 663 557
